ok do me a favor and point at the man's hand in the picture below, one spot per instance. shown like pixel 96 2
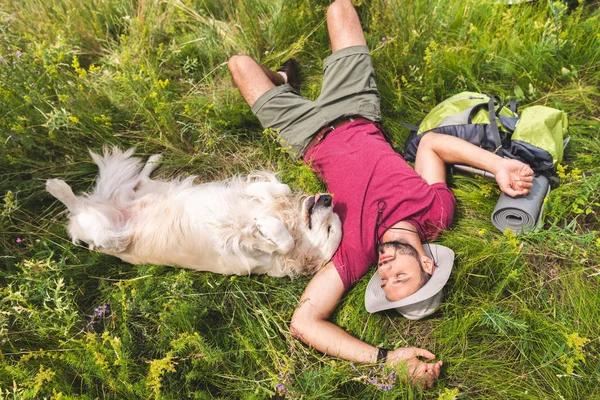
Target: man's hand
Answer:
pixel 419 372
pixel 514 177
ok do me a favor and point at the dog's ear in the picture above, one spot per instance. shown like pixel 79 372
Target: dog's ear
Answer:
pixel 114 242
pixel 63 192
pixel 109 242
pixel 100 227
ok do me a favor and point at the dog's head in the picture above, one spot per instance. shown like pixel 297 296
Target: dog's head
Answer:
pixel 93 221
pixel 322 228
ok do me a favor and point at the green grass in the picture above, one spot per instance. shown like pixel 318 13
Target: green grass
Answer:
pixel 521 316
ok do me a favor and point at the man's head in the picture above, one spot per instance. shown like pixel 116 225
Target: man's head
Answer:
pixel 425 298
pixel 402 270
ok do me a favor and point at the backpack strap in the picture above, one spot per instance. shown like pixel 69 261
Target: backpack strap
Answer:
pixel 497 142
pixel 513 106
pixel 480 134
pixel 409 126
pixel 474 110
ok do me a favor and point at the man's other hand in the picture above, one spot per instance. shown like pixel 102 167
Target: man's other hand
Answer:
pixel 514 177
pixel 419 372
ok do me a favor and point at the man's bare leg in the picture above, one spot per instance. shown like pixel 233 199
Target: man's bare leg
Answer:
pixel 344 26
pixel 251 78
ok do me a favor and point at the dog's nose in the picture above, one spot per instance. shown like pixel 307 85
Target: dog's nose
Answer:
pixel 325 200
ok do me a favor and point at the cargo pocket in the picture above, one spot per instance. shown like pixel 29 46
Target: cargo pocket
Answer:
pixel 370 110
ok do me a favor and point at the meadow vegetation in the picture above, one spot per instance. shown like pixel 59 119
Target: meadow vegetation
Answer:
pixel 521 316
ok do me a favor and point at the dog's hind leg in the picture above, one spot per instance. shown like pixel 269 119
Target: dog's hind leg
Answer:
pixel 274 231
pixel 63 192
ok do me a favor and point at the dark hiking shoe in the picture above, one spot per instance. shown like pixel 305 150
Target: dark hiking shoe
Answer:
pixel 292 69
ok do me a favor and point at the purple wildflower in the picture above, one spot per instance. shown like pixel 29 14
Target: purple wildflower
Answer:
pixel 18 240
pixel 280 388
pixel 19 54
pixel 100 310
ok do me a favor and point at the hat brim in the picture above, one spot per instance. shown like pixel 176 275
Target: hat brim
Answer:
pixel 375 299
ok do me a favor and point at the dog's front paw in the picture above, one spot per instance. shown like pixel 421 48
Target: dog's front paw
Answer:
pixel 154 159
pixel 273 230
pixel 268 190
pixel 152 164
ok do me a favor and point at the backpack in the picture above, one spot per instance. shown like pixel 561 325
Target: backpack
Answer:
pixel 534 137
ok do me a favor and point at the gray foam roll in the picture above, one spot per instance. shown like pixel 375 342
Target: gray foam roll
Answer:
pixel 522 213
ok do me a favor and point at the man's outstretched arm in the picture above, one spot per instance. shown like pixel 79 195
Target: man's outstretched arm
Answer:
pixel 435 150
pixel 310 324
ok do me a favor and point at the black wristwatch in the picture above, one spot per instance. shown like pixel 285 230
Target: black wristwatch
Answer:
pixel 382 355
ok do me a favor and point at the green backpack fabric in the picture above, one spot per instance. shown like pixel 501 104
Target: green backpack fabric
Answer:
pixel 534 137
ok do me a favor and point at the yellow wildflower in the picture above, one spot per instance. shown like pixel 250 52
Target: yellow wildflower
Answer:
pixel 162 84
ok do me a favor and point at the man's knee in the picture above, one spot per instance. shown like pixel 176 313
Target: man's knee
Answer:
pixel 238 63
pixel 339 9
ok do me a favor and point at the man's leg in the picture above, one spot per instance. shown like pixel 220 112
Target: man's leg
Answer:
pixel 349 88
pixel 344 26
pixel 251 78
pixel 274 99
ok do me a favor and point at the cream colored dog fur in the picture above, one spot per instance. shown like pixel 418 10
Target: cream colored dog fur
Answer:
pixel 244 225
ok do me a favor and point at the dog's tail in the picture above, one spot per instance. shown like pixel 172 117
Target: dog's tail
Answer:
pixel 118 171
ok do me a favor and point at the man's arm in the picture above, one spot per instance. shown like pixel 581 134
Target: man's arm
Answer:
pixel 310 324
pixel 435 150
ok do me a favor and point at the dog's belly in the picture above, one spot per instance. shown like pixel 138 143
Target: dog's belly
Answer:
pixel 210 206
pixel 208 230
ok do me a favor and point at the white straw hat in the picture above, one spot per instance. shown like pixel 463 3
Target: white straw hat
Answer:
pixel 425 300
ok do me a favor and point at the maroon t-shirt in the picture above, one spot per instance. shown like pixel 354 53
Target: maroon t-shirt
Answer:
pixel 362 171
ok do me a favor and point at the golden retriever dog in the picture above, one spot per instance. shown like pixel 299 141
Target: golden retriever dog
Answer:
pixel 243 225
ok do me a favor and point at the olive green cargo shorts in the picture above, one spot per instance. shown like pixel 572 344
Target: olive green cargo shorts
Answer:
pixel 348 90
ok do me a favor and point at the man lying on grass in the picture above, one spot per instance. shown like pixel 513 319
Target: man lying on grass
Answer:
pixel 382 201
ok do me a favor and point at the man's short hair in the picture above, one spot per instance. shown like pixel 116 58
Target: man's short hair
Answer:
pixel 405 249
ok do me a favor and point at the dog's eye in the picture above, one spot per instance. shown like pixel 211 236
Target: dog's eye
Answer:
pixel 328 230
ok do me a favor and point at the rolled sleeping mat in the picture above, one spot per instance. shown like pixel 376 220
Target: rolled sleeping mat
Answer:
pixel 523 213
